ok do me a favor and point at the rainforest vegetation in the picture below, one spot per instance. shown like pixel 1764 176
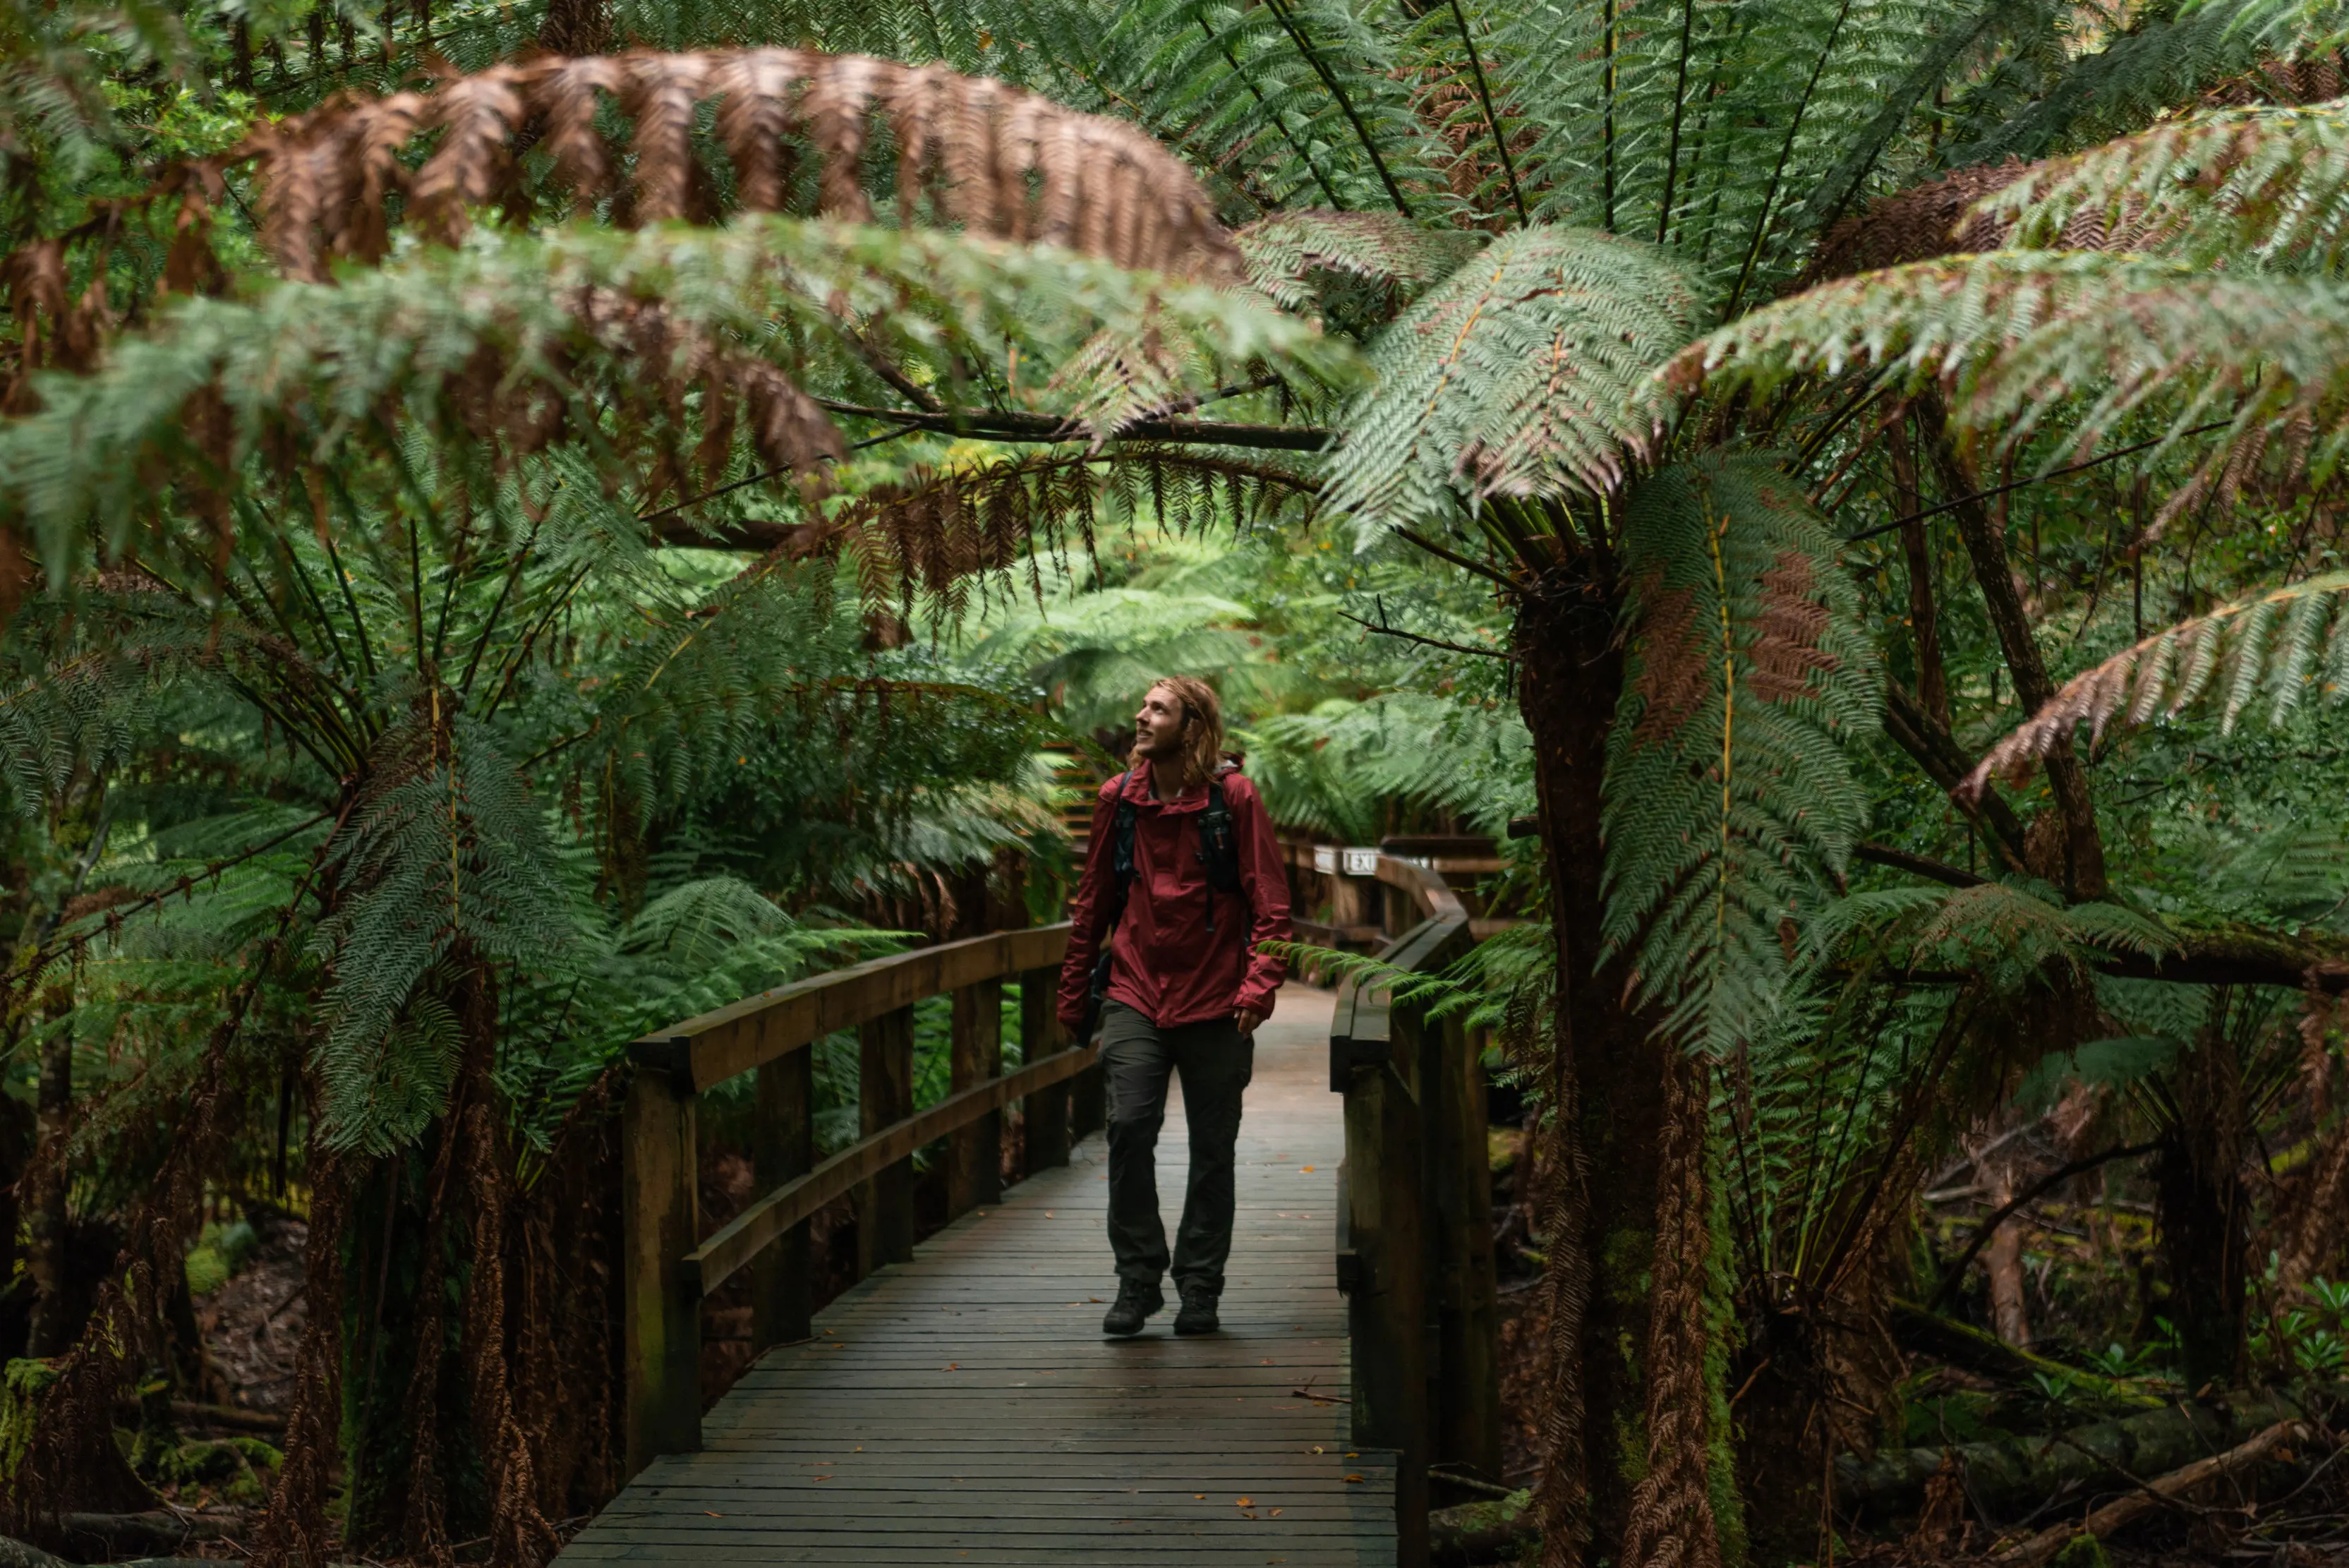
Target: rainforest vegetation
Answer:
pixel 521 522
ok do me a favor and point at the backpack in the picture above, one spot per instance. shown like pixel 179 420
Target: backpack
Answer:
pixel 1218 851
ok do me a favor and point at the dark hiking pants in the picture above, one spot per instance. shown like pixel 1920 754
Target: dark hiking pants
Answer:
pixel 1216 1061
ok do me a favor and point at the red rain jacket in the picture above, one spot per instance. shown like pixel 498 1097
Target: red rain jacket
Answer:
pixel 1164 963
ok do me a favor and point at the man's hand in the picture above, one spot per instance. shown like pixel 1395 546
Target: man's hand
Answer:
pixel 1244 1019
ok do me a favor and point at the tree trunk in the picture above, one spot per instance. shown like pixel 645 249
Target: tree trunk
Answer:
pixel 1606 1088
pixel 2201 1208
pixel 2003 1261
pixel 56 1324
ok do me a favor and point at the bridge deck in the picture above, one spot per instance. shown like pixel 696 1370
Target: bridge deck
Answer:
pixel 964 1409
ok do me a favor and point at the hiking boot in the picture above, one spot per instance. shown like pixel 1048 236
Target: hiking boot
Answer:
pixel 1135 1301
pixel 1198 1314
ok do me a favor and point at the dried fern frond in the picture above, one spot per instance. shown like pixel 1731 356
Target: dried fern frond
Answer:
pixel 2283 645
pixel 970 151
pixel 1730 807
pixel 2020 337
pixel 1287 252
pixel 2244 186
pixel 1527 373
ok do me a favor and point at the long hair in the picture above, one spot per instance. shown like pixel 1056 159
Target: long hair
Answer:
pixel 1203 730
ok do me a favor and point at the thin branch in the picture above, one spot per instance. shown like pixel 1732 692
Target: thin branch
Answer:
pixel 1968 500
pixel 987 425
pixel 1463 562
pixel 1923 866
pixel 1957 1271
pixel 1429 641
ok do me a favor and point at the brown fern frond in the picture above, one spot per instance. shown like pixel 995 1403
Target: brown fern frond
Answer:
pixel 2271 644
pixel 756 111
pixel 660 93
pixel 479 115
pixel 998 160
pixel 564 93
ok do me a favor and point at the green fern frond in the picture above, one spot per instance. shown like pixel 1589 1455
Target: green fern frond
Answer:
pixel 1294 258
pixel 1730 806
pixel 1527 373
pixel 2280 648
pixel 2244 186
pixel 2026 337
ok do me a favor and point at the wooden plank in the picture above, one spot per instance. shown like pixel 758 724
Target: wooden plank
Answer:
pixel 975 1056
pixel 712 1262
pixel 744 1035
pixel 661 1312
pixel 1467 1413
pixel 965 1407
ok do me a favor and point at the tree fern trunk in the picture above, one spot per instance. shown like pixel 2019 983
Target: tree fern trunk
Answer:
pixel 2203 1211
pixel 1599 1216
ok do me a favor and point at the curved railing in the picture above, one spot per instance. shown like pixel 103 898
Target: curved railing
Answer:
pixel 667 1266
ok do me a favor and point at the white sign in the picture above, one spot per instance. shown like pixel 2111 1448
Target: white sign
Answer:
pixel 1325 859
pixel 1362 862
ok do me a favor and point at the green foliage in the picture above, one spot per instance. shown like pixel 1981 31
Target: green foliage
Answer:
pixel 1524 373
pixel 1731 808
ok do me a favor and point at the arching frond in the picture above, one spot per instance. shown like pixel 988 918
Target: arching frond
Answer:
pixel 797 127
pixel 2241 186
pixel 1526 373
pixel 2022 335
pixel 512 343
pixel 1730 806
pixel 2279 649
pixel 1292 257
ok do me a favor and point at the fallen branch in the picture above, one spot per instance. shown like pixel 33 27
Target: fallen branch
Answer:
pixel 2042 1547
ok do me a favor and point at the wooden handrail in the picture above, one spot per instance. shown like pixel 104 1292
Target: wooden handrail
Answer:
pixel 667 1267
pixel 741 1239
pixel 704 1052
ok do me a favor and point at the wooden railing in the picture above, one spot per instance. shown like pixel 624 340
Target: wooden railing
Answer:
pixel 1350 882
pixel 667 1266
pixel 1414 1220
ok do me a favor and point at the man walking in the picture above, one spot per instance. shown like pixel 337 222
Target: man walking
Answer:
pixel 1182 880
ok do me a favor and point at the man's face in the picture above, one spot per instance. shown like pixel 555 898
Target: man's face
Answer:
pixel 1158 727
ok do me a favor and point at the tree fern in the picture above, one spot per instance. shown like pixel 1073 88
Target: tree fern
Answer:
pixel 1730 807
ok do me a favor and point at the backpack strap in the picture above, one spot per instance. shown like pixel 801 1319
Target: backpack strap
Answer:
pixel 1121 872
pixel 1219 852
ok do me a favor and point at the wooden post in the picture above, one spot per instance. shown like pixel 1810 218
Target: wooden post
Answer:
pixel 974 1153
pixel 1468 1412
pixel 659 1224
pixel 884 1206
pixel 783 1146
pixel 1386 1310
pixel 1044 1123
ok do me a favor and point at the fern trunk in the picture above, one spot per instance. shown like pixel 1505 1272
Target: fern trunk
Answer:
pixel 2204 1212
pixel 1607 1077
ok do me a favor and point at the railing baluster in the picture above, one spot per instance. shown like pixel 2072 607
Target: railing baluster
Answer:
pixel 1044 1122
pixel 660 1223
pixel 885 1208
pixel 974 1153
pixel 783 1146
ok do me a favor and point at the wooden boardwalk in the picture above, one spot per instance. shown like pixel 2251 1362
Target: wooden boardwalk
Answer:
pixel 965 1407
